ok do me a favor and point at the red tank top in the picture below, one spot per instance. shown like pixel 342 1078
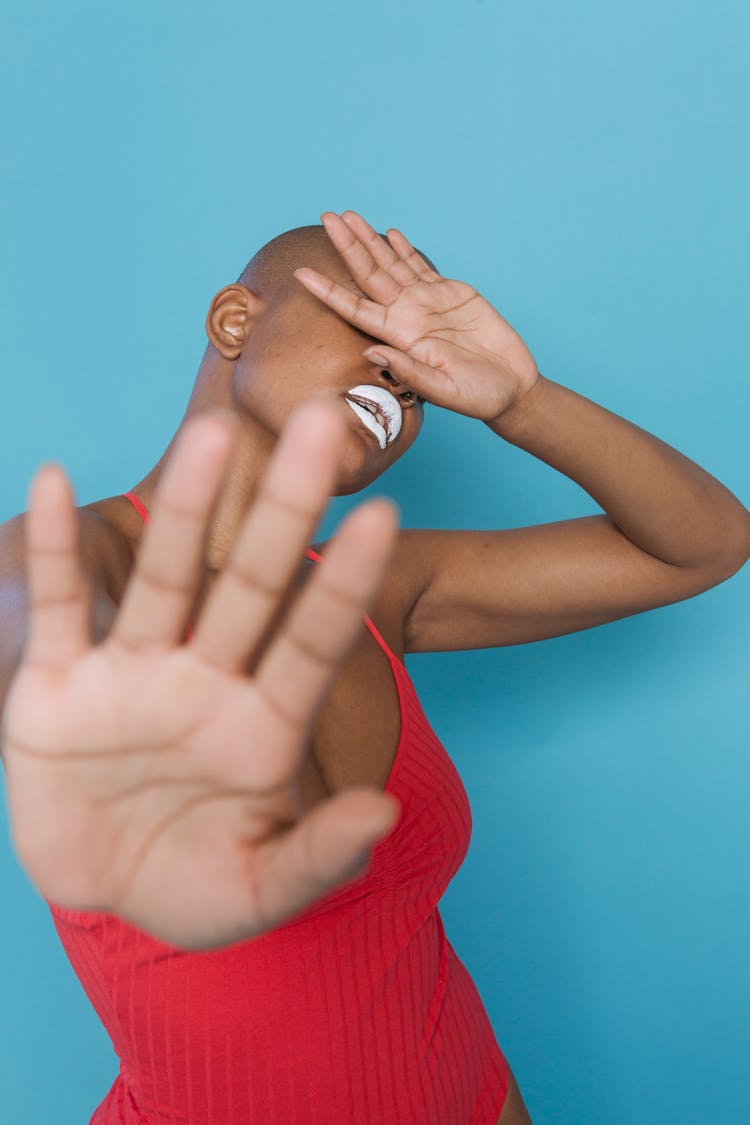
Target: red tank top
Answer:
pixel 356 1012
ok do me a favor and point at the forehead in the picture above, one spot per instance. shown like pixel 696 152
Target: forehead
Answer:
pixel 323 256
pixel 326 260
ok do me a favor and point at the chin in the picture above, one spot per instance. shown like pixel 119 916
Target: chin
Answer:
pixel 358 469
pixel 346 485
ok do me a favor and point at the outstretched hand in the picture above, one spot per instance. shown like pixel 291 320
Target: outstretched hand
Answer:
pixel 160 780
pixel 440 337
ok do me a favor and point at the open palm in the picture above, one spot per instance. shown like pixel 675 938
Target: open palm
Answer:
pixel 157 779
pixel 440 337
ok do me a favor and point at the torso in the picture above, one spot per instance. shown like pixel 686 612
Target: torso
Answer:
pixel 356 736
pixel 357 732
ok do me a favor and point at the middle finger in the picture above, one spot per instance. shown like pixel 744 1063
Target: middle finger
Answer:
pixel 365 262
pixel 387 257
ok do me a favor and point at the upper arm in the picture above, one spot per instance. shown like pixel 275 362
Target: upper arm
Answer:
pixel 480 589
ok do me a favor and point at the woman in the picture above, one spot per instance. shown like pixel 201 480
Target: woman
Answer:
pixel 181 788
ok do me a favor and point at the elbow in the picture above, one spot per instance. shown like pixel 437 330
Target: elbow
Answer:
pixel 723 551
pixel 732 548
pixel 741 551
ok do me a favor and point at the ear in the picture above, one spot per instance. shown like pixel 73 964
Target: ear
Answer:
pixel 230 319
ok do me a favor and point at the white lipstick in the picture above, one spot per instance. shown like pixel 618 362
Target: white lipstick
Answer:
pixel 378 410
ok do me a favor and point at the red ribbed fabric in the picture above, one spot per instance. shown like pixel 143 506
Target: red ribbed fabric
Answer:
pixel 357 1012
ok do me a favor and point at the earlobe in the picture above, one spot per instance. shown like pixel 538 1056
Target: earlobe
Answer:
pixel 230 319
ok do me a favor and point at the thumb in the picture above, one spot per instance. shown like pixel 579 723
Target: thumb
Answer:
pixel 429 382
pixel 330 846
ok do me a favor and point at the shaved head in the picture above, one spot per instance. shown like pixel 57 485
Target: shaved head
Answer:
pixel 269 273
pixel 272 344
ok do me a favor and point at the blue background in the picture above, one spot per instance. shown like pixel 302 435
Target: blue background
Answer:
pixel 586 167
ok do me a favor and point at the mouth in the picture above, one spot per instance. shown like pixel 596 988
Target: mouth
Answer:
pixel 377 410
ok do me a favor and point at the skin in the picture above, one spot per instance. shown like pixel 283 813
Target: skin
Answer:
pixel 362 309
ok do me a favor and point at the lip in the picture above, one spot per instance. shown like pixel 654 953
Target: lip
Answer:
pixel 387 413
pixel 378 415
pixel 366 435
pixel 365 421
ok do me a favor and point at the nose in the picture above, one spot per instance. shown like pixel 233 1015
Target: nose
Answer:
pixel 397 388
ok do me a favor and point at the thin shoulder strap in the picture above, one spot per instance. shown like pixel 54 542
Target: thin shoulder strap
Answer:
pixel 142 511
pixel 368 620
pixel 139 506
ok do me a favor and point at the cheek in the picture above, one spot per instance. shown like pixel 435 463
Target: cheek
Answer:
pixel 412 424
pixel 410 429
pixel 267 385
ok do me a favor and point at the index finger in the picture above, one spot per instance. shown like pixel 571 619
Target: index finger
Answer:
pixel 169 568
pixel 360 312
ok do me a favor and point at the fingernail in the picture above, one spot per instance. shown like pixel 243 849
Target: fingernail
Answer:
pixel 376 357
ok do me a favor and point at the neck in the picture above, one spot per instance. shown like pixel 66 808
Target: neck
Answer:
pixel 253 448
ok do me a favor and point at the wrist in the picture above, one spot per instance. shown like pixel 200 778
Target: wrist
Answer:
pixel 513 417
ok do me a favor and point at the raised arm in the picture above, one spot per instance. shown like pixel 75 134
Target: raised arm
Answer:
pixel 670 531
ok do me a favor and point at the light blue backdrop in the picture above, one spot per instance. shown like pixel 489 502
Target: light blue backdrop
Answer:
pixel 586 167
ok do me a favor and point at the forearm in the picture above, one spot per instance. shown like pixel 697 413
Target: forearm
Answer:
pixel 663 502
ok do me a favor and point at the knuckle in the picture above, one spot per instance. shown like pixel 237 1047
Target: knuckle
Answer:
pixel 252 582
pixel 309 651
pixel 164 583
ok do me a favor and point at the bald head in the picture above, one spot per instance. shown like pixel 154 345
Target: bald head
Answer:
pixel 272 344
pixel 270 272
